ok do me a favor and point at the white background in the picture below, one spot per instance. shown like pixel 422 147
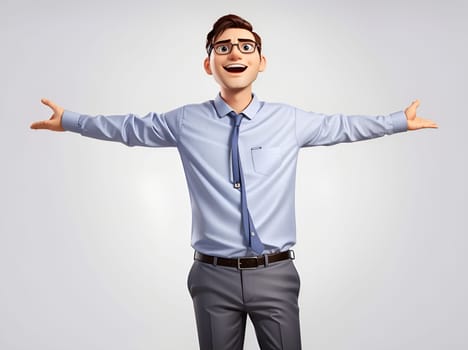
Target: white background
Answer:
pixel 94 236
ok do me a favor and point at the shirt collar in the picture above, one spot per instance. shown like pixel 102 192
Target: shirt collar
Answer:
pixel 222 108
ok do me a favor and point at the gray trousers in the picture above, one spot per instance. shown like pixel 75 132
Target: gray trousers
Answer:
pixel 224 296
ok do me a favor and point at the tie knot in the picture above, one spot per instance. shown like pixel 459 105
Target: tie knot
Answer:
pixel 236 117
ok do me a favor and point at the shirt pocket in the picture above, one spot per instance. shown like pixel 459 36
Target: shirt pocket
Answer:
pixel 265 159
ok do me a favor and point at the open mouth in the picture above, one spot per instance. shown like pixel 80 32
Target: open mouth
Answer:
pixel 235 68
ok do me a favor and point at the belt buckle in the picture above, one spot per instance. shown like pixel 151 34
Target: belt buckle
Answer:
pixel 239 262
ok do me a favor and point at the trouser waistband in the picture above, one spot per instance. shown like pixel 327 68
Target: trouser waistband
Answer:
pixel 245 262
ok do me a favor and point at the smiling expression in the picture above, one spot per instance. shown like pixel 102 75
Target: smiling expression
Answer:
pixel 235 71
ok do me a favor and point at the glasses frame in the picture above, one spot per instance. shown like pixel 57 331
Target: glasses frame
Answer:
pixel 230 45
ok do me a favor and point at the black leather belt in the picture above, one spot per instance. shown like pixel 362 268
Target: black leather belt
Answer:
pixel 245 262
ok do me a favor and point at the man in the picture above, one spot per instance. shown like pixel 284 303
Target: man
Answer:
pixel 239 156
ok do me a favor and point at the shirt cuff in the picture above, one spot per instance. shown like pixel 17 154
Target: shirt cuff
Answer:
pixel 71 121
pixel 399 122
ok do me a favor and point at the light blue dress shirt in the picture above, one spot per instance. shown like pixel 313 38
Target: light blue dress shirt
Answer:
pixel 270 138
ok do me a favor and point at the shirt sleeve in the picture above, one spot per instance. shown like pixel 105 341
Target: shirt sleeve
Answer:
pixel 152 130
pixel 315 129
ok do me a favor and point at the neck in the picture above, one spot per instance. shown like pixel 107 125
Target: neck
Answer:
pixel 238 100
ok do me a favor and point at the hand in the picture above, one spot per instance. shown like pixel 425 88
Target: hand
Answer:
pixel 415 122
pixel 55 121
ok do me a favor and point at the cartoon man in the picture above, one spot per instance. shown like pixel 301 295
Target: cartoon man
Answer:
pixel 239 156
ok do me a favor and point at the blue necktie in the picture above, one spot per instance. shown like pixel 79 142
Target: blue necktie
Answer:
pixel 248 227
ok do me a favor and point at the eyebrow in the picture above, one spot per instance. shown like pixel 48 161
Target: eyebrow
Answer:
pixel 240 40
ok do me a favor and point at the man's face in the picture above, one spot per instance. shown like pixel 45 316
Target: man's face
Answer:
pixel 235 71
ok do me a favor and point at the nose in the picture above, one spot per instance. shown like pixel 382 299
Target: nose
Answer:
pixel 235 52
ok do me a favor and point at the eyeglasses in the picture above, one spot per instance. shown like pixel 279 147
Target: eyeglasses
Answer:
pixel 225 47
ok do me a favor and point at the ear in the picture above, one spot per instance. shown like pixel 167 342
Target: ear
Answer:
pixel 206 65
pixel 263 63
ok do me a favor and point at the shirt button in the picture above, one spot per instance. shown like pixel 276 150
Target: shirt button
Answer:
pixel 252 233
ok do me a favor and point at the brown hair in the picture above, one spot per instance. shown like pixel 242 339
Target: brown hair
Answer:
pixel 227 22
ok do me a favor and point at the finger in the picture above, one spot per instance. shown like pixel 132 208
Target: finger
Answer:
pixel 413 106
pixel 427 124
pixel 43 124
pixel 430 124
pixel 421 124
pixel 424 121
pixel 49 103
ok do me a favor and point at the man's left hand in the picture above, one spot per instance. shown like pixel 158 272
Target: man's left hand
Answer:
pixel 415 122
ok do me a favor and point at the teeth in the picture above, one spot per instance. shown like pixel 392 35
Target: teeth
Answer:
pixel 235 65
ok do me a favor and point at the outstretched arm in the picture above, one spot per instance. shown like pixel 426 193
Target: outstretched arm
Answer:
pixel 54 123
pixel 152 130
pixel 415 122
pixel 315 129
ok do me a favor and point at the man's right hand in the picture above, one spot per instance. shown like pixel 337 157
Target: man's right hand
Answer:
pixel 55 121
